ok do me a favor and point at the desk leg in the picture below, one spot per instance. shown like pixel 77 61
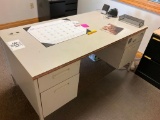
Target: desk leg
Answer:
pixel 15 83
pixel 131 65
pixel 39 107
pixel 41 117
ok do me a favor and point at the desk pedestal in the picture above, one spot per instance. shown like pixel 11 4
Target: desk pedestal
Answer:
pixel 121 53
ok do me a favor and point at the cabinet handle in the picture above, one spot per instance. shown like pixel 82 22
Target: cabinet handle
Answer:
pixel 147 57
pixel 61 87
pixel 156 39
pixel 61 73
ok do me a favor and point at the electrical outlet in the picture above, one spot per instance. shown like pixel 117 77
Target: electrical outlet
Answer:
pixel 31 5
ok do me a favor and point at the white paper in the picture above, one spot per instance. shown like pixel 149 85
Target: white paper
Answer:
pixel 15 45
pixel 57 31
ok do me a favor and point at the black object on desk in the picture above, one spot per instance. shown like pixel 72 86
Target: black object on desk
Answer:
pixel 105 7
pixel 113 12
pixel 131 20
pixel 149 67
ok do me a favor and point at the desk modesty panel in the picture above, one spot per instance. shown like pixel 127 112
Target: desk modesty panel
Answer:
pixel 49 76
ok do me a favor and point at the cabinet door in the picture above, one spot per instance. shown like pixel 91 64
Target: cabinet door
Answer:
pixel 59 95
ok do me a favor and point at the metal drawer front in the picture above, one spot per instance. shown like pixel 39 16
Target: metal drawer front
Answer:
pixel 58 76
pixel 59 95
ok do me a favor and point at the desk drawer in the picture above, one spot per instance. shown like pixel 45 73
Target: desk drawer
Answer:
pixel 69 13
pixel 71 7
pixel 153 48
pixel 58 76
pixel 59 95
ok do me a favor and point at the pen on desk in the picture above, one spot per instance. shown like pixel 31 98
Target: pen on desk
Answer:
pixel 91 32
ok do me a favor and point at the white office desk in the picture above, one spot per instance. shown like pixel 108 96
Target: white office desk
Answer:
pixel 49 76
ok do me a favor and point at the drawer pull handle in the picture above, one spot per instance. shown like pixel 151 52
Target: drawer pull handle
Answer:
pixel 147 57
pixel 61 87
pixel 156 39
pixel 60 74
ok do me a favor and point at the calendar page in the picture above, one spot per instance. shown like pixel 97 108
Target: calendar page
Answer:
pixel 57 31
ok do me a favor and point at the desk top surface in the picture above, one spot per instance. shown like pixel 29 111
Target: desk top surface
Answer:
pixel 39 60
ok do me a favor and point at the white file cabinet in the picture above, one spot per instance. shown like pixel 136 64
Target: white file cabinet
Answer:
pixel 121 53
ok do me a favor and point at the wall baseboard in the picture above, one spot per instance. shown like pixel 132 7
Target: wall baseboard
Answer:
pixel 18 23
